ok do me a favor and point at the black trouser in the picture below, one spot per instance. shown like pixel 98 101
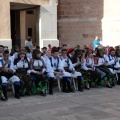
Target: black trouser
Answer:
pixel 26 82
pixel 95 76
pixel 4 85
pixel 51 83
pixel 118 78
pixel 17 89
pixel 38 78
pixel 4 89
pixel 79 80
pixel 66 81
pixel 107 71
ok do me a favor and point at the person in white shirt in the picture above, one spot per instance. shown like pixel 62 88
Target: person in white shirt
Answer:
pixel 55 70
pixel 89 66
pixel 22 65
pixel 111 60
pixel 38 71
pixel 117 64
pixel 7 74
pixel 68 67
pixel 100 64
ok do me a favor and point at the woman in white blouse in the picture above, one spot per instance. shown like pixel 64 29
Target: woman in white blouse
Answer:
pixel 37 70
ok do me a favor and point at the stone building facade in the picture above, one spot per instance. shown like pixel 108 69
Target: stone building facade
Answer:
pixel 20 18
pixel 79 21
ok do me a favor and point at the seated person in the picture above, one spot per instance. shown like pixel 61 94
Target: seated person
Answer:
pixel 68 67
pixel 21 64
pixel 56 70
pixel 7 74
pixel 37 71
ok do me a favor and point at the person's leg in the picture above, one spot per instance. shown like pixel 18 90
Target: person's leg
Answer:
pixel 96 77
pixel 51 77
pixel 51 83
pixel 16 81
pixel 108 76
pixel 68 80
pixel 78 76
pixel 4 88
pixel 118 82
pixel 79 80
pixel 64 85
pixel 28 84
pixel 39 84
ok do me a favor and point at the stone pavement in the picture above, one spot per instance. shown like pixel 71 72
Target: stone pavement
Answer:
pixel 95 104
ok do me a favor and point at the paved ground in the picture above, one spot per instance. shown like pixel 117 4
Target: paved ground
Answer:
pixel 94 104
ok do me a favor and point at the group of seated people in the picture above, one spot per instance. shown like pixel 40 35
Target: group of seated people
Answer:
pixel 33 71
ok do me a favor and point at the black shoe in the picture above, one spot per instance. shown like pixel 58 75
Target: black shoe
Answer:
pixel 65 91
pixel 108 86
pixel 51 92
pixel 43 94
pixel 22 94
pixel 71 90
pixel 98 85
pixel 118 83
pixel 113 85
pixel 87 88
pixel 17 96
pixel 4 99
pixel 28 93
pixel 81 90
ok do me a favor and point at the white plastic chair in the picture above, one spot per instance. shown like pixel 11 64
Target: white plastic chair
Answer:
pixel 74 83
pixel 59 85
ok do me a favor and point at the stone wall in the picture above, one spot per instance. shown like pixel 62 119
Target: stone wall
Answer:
pixel 79 21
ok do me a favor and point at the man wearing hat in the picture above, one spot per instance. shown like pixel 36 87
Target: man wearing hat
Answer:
pixel 55 70
pixel 69 67
pixel 111 61
pixel 70 53
pixel 7 74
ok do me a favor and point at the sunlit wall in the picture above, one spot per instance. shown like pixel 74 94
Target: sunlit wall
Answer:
pixel 111 22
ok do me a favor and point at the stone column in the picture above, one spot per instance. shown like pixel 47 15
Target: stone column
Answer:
pixel 23 27
pixel 38 23
pixel 48 25
pixel 5 32
pixel 111 23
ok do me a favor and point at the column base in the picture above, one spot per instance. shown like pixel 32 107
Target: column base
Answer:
pixel 6 42
pixel 53 42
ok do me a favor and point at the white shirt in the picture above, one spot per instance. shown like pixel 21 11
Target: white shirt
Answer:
pixel 109 59
pixel 55 65
pixel 6 66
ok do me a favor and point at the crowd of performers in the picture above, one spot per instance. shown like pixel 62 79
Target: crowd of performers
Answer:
pixel 35 72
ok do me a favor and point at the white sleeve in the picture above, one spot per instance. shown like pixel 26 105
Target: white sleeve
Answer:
pixel 1 64
pixel 75 64
pixel 109 62
pixel 60 66
pixel 84 65
pixel 49 67
pixel 71 67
